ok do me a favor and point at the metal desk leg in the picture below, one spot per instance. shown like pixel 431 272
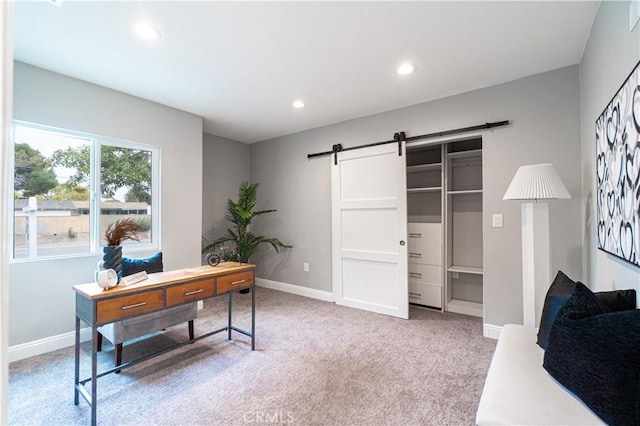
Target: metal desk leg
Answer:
pixel 253 318
pixel 229 311
pixel 94 374
pixel 77 364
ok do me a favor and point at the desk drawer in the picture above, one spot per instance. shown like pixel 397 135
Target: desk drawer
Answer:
pixel 191 292
pixel 128 306
pixel 234 282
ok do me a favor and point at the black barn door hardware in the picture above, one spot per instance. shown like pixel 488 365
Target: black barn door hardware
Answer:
pixel 401 137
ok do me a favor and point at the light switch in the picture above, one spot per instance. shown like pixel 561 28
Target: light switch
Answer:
pixel 497 221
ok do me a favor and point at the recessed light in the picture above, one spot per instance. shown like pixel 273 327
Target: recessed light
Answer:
pixel 405 69
pixel 298 104
pixel 146 31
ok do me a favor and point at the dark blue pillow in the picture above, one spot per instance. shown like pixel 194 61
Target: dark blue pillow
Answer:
pixel 596 355
pixel 618 300
pixel 149 264
pixel 561 290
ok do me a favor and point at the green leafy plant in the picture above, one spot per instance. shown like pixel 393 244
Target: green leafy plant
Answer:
pixel 240 214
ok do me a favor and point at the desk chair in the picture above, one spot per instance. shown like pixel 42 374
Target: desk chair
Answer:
pixel 120 331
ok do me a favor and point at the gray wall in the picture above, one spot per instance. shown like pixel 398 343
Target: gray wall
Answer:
pixel 41 299
pixel 544 110
pixel 225 164
pixel 611 53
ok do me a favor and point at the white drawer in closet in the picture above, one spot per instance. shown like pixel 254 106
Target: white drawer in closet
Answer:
pixel 430 233
pixel 424 294
pixel 427 254
pixel 425 274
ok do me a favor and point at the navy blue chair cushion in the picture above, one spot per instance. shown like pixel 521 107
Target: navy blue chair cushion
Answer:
pixel 149 264
pixel 596 355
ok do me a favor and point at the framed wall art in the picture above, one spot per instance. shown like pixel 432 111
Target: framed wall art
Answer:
pixel 618 172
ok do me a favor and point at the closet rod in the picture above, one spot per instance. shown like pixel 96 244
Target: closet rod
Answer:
pixel 398 137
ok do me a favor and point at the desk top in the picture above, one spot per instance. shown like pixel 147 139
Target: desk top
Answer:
pixel 162 279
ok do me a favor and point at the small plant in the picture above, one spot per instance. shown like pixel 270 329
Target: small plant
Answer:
pixel 122 230
pixel 72 234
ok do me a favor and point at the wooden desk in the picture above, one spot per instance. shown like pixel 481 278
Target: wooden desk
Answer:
pixel 159 291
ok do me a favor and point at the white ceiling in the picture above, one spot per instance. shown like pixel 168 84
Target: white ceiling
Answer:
pixel 240 65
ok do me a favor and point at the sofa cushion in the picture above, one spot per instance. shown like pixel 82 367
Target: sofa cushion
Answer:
pixel 596 355
pixel 149 264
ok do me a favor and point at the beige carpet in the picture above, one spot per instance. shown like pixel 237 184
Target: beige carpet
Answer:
pixel 315 364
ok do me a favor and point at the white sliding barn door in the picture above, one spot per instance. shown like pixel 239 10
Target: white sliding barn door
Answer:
pixel 369 226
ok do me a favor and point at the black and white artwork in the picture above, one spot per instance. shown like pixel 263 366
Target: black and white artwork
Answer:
pixel 618 172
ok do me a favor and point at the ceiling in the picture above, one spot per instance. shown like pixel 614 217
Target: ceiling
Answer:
pixel 240 65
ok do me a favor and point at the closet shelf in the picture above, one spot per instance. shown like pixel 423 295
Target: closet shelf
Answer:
pixel 466 191
pixel 465 269
pixel 425 189
pixel 465 307
pixel 424 168
pixel 466 154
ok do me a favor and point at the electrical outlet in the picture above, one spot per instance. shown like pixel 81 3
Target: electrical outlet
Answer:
pixel 498 221
pixel 305 267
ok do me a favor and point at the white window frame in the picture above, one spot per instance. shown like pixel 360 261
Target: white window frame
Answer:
pixel 96 240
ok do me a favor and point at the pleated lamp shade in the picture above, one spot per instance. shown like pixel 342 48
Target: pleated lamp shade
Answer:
pixel 536 182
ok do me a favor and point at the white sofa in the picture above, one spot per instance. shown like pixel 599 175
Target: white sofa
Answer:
pixel 519 391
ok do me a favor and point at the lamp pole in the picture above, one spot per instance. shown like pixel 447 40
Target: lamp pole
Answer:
pixel 536 260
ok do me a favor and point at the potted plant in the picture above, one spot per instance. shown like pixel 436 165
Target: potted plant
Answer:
pixel 240 214
pixel 117 232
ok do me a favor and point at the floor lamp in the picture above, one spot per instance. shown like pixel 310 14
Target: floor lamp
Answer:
pixel 533 183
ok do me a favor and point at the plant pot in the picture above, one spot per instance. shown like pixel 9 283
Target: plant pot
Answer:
pixel 112 257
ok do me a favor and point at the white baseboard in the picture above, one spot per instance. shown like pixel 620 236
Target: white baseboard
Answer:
pixel 295 289
pixel 48 344
pixel 491 331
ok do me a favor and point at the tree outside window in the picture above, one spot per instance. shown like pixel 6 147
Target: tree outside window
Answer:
pixel 55 167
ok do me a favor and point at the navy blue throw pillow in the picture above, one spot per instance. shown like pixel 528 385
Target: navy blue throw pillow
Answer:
pixel 618 300
pixel 149 264
pixel 596 355
pixel 560 291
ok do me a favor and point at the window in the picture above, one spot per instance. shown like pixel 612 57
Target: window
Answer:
pixel 68 188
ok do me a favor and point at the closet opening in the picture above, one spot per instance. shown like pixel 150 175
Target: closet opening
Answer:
pixel 444 214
